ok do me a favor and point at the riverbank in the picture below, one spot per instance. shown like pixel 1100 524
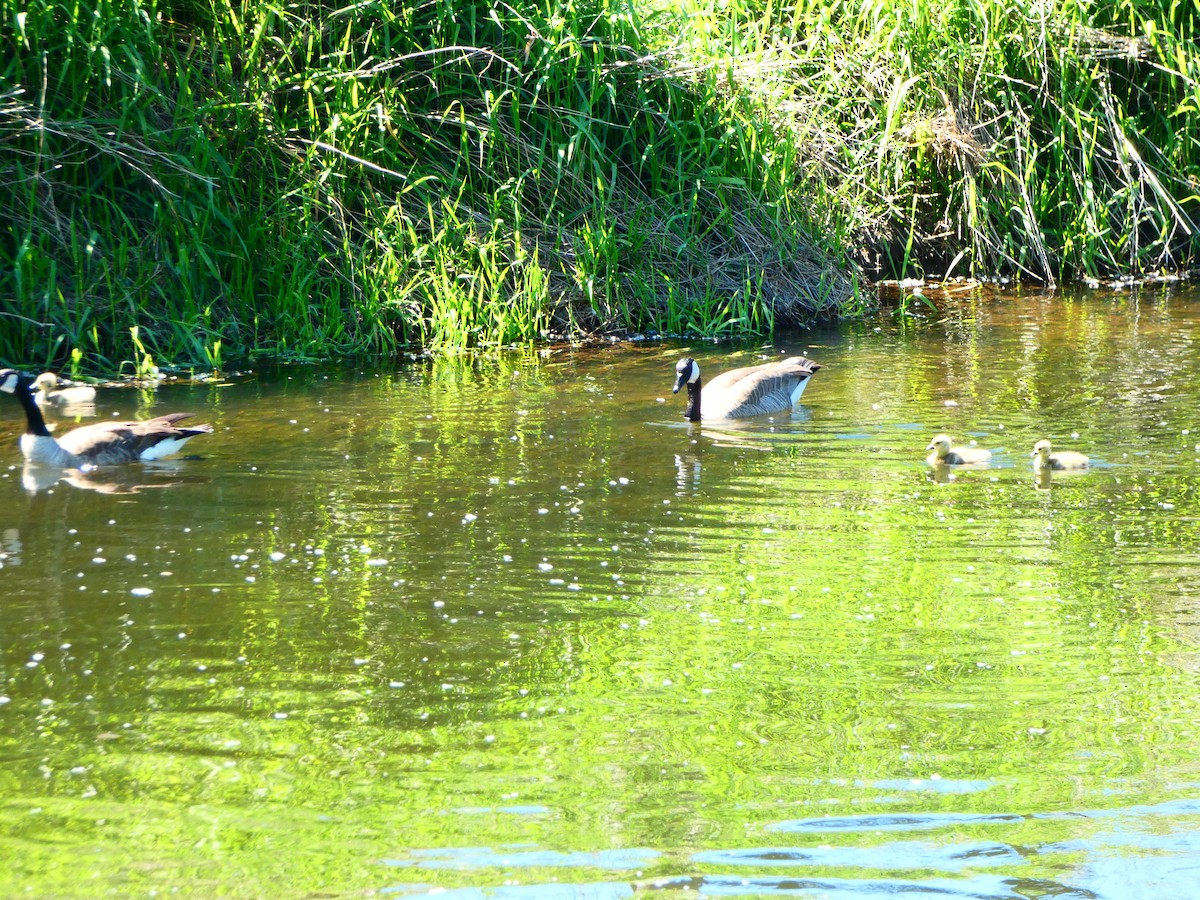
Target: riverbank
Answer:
pixel 191 184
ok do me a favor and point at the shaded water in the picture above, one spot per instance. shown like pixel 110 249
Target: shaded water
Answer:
pixel 509 627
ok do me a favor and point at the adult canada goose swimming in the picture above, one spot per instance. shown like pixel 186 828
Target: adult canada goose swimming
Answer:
pixel 50 394
pixel 945 454
pixel 1063 459
pixel 749 391
pixel 102 444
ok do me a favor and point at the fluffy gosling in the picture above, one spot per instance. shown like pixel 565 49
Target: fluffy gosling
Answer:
pixel 945 454
pixel 1063 459
pixel 49 393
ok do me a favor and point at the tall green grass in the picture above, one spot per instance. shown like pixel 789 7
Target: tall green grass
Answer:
pixel 1044 140
pixel 314 179
pixel 310 180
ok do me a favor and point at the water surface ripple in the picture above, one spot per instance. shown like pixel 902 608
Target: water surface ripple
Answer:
pixel 506 626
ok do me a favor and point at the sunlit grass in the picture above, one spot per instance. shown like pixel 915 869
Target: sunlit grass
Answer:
pixel 316 180
pixel 1037 140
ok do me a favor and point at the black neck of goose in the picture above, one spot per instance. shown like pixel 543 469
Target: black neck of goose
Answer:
pixel 34 423
pixel 692 413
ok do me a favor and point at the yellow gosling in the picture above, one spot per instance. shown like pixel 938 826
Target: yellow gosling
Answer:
pixel 1063 459
pixel 49 393
pixel 944 453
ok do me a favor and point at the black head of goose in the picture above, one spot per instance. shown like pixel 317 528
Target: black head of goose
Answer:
pixel 750 391
pixel 50 394
pixel 102 444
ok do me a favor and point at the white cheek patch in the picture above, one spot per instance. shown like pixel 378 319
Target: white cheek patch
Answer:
pixel 164 448
pixel 695 374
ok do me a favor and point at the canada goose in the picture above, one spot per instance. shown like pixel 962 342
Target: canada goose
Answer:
pixel 1063 459
pixel 49 393
pixel 944 454
pixel 749 391
pixel 102 444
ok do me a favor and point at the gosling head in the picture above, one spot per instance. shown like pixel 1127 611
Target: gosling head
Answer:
pixel 47 382
pixel 686 372
pixel 1041 450
pixel 940 444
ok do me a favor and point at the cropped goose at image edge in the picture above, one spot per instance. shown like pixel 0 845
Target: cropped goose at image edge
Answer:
pixel 102 444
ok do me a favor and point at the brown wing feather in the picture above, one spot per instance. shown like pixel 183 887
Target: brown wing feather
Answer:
pixel 768 391
pixel 111 443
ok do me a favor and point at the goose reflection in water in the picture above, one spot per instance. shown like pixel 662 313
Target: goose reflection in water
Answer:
pixel 37 477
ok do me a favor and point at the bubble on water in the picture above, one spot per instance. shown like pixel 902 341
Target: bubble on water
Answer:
pixel 279 715
pixel 142 592
pixel 468 518
pixel 99 559
pixel 277 556
pixel 545 566
pixel 377 562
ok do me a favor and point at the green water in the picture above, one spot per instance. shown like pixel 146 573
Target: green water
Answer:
pixel 507 626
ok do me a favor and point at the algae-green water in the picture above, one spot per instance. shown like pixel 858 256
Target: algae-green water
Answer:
pixel 504 625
